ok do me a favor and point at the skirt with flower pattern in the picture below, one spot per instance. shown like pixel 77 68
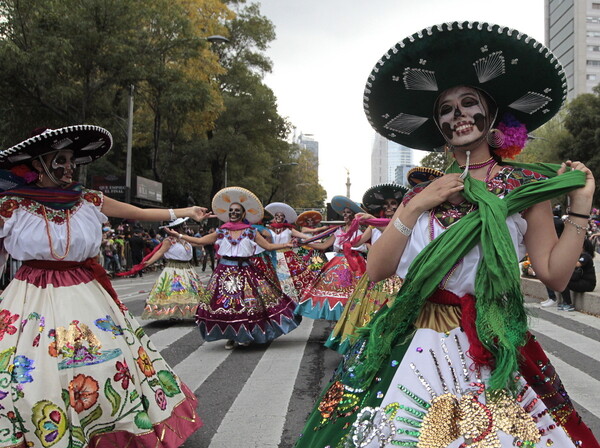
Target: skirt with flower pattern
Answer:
pixel 175 294
pixel 76 371
pixel 328 295
pixel 294 273
pixel 244 305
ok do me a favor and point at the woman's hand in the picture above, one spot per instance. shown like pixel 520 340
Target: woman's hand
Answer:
pixel 580 200
pixel 442 189
pixel 199 213
pixel 171 232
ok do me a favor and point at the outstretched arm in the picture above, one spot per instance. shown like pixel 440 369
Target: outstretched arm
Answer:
pixel 211 238
pixel 164 247
pixel 324 244
pixel 270 246
pixel 116 209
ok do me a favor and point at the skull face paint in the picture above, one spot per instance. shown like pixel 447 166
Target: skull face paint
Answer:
pixel 390 206
pixel 348 215
pixel 462 116
pixel 59 166
pixel 279 217
pixel 236 212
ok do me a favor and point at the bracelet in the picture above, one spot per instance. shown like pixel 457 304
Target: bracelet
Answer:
pixel 578 215
pixel 172 214
pixel 400 227
pixel 577 226
pixel 181 236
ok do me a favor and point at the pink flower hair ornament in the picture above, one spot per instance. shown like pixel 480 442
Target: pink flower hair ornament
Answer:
pixel 515 136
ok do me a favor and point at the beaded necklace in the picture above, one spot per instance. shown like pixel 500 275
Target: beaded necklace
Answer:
pixel 475 166
pixel 53 253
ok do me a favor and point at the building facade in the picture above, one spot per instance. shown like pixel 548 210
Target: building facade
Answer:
pixel 573 35
pixel 386 157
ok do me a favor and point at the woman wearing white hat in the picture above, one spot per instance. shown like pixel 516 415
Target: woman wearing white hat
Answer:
pixel 243 306
pixel 178 289
pixel 292 271
pixel 76 369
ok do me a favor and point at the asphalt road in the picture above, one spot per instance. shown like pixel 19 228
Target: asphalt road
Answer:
pixel 259 396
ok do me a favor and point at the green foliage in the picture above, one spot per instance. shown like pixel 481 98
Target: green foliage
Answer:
pixel 199 107
pixel 545 142
pixel 437 160
pixel 582 122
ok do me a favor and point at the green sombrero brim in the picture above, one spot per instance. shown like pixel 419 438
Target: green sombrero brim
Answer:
pixel 374 197
pixel 522 76
pixel 88 143
pixel 339 203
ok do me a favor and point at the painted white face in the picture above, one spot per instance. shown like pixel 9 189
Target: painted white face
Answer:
pixel 348 214
pixel 279 217
pixel 61 165
pixel 236 212
pixel 389 207
pixel 461 116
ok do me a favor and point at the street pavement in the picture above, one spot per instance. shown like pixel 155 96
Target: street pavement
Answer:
pixel 259 396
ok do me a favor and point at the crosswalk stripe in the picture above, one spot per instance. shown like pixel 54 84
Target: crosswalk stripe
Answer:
pixel 581 389
pixel 576 341
pixel 169 336
pixel 201 363
pixel 259 411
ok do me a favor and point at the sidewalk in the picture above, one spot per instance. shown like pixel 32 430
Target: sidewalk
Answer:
pixel 588 302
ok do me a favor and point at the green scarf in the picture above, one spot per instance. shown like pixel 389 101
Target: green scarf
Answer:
pixel 501 319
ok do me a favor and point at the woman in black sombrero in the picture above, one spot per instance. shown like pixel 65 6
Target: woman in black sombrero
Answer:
pixel 76 369
pixel 451 363
pixel 380 201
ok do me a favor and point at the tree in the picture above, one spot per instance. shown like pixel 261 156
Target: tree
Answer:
pixel 582 122
pixel 437 160
pixel 544 144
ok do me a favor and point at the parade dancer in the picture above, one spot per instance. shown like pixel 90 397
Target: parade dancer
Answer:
pixel 244 306
pixel 308 222
pixel 292 271
pixel 76 369
pixel 326 298
pixel 451 362
pixel 177 290
pixel 368 297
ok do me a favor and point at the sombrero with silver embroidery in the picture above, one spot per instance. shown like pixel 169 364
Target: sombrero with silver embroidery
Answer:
pixel 87 142
pixel 522 76
pixel 374 197
pixel 229 195
pixel 420 174
pixel 339 203
pixel 303 217
pixel 280 207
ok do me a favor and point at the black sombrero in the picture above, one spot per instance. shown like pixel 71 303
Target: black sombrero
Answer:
pixel 375 196
pixel 87 142
pixel 420 174
pixel 522 76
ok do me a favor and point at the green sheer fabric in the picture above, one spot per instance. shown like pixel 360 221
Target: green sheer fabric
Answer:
pixel 501 318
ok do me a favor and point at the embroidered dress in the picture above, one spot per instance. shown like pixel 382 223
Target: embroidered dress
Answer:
pixel 427 393
pixel 243 305
pixel 76 370
pixel 293 272
pixel 177 291
pixel 328 295
pixel 365 301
